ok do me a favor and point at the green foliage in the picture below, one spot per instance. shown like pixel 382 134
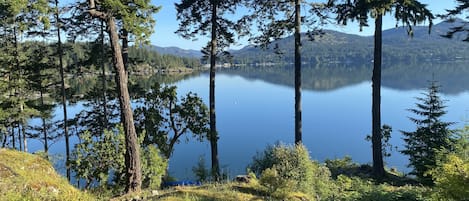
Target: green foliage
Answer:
pixel 25 176
pixel 431 135
pixel 153 166
pixel 145 55
pixel 166 120
pixel 98 159
pixel 451 174
pixel 355 188
pixel 387 147
pixel 346 166
pixel 286 169
pixel 201 172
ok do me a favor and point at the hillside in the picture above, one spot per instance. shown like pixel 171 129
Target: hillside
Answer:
pixel 177 51
pixel 25 176
pixel 338 47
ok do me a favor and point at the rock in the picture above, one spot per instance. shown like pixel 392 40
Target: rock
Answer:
pixel 243 178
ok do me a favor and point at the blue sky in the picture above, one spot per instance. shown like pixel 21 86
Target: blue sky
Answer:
pixel 166 25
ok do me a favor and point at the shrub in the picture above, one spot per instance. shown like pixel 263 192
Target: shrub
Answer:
pixel 97 159
pixel 355 188
pixel 451 176
pixel 287 169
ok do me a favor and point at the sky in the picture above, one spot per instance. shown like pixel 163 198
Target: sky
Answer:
pixel 167 24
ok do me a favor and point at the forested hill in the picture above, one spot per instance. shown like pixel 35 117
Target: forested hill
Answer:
pixel 337 47
pixel 177 51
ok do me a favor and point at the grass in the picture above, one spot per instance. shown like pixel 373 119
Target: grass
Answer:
pixel 25 176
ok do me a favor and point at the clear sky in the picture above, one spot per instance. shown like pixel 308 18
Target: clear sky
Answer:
pixel 166 25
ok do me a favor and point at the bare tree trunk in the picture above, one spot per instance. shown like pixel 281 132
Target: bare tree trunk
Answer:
pixel 64 98
pixel 378 164
pixel 213 125
pixel 298 127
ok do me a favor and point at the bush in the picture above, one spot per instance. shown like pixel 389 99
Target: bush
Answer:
pixel 288 169
pixel 451 176
pixel 97 159
pixel 355 188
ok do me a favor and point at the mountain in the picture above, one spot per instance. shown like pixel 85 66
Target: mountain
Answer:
pixel 338 47
pixel 177 51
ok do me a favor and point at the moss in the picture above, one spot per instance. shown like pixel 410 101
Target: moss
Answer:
pixel 25 176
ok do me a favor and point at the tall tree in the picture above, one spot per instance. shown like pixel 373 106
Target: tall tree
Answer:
pixel 18 17
pixel 203 17
pixel 62 87
pixel 275 20
pixel 409 13
pixel 432 134
pixel 136 18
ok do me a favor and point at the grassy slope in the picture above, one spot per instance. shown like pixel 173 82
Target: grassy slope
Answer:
pixel 25 176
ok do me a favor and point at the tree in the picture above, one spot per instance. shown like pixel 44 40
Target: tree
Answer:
pixel 202 17
pixel 432 134
pixel 460 8
pixel 409 13
pixel 18 17
pixel 166 119
pixel 135 18
pixel 275 20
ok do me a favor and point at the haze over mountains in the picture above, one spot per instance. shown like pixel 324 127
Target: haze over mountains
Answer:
pixel 338 47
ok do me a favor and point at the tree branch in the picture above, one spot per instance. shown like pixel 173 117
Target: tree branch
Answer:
pixel 94 12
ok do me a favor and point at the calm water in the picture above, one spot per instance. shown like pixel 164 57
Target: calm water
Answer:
pixel 256 108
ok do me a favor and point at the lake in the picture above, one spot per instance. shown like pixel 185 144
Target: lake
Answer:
pixel 255 108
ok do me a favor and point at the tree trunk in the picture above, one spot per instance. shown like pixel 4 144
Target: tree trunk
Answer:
pixel 378 165
pixel 103 67
pixel 132 152
pixel 213 126
pixel 25 142
pixel 19 137
pixel 13 136
pixel 44 126
pixel 64 98
pixel 298 129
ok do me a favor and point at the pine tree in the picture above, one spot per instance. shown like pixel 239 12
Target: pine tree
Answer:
pixel 432 134
pixel 133 18
pixel 409 13
pixel 278 19
pixel 201 17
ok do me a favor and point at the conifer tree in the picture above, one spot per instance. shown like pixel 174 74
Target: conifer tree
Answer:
pixel 206 17
pixel 432 133
pixel 409 13
pixel 277 19
pixel 135 18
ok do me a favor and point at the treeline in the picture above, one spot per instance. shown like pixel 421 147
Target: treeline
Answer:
pixel 145 55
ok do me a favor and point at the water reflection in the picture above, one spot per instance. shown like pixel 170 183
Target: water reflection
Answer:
pixel 324 77
pixel 255 108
